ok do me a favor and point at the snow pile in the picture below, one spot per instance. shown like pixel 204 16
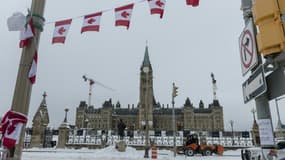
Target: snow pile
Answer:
pixel 110 153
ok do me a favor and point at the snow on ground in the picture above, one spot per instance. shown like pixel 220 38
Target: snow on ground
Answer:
pixel 110 153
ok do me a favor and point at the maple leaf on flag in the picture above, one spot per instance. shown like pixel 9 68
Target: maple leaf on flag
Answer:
pixel 157 7
pixel 91 22
pixel 11 126
pixel 123 15
pixel 159 3
pixel 60 31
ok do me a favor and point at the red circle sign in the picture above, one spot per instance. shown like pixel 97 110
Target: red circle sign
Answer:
pixel 247 49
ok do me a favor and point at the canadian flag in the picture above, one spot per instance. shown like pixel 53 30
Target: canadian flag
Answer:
pixel 91 22
pixel 61 30
pixel 194 3
pixel 26 34
pixel 33 69
pixel 157 6
pixel 123 15
pixel 11 126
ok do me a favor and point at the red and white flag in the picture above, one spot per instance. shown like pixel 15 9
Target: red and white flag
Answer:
pixel 26 34
pixel 194 3
pixel 11 127
pixel 61 30
pixel 123 15
pixel 157 7
pixel 91 22
pixel 33 69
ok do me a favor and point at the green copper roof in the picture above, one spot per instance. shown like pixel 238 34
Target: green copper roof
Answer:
pixel 146 61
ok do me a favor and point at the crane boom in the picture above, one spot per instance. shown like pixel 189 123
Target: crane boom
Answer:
pixel 91 82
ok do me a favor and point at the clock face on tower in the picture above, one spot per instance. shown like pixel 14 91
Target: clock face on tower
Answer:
pixel 42 113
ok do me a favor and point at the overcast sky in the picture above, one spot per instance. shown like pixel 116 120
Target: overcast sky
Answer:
pixel 184 47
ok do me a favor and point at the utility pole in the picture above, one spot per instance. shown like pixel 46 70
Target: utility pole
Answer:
pixel 23 88
pixel 269 35
pixel 261 102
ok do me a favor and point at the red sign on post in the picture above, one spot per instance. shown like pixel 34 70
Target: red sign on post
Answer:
pixel 247 47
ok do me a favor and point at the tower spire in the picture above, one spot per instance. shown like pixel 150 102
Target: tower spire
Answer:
pixel 43 103
pixel 146 91
pixel 146 61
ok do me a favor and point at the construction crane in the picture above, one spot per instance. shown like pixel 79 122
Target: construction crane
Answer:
pixel 91 83
pixel 214 81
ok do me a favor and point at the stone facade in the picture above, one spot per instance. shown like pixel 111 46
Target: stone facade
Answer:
pixel 40 123
pixel 159 116
pixel 63 133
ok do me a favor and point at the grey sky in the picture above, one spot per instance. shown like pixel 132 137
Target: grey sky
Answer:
pixel 184 47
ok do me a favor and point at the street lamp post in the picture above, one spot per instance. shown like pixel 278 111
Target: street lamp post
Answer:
pixel 65 118
pixel 279 123
pixel 232 126
pixel 146 71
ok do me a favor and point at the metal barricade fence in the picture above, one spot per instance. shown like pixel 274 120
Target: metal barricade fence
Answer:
pixel 160 141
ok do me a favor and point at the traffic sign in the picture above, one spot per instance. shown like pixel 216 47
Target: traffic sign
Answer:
pixel 247 47
pixel 255 85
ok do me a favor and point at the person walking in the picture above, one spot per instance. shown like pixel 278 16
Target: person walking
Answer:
pixel 121 129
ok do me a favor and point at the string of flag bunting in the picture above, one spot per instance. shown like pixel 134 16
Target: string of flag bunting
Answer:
pixel 123 14
pixel 91 22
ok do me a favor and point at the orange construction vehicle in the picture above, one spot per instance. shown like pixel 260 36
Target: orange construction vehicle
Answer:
pixel 192 147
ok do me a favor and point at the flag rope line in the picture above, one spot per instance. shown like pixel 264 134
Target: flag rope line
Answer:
pixel 103 11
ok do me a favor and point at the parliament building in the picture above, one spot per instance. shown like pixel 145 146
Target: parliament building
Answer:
pixel 187 117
